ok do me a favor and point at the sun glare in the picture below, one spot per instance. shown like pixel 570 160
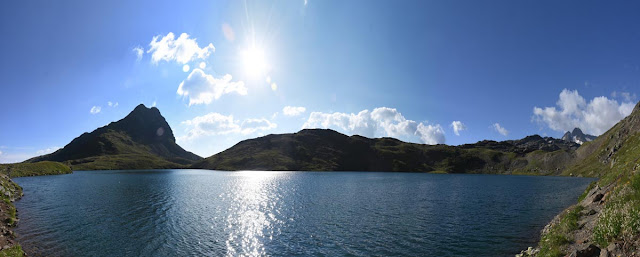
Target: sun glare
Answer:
pixel 255 63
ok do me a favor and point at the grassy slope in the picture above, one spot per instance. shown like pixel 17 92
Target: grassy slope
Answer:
pixel 34 169
pixel 614 157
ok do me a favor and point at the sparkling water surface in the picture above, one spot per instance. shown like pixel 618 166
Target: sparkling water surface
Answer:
pixel 263 213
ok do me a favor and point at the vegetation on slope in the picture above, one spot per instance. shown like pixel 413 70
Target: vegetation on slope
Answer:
pixel 34 169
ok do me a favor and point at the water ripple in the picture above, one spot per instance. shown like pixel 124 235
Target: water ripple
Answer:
pixel 210 213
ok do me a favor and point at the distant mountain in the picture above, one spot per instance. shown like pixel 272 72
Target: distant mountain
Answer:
pixel 328 150
pixel 143 139
pixel 577 136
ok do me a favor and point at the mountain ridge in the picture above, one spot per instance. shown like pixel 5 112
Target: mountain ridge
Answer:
pixel 328 150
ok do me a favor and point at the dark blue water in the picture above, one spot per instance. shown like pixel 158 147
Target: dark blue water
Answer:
pixel 211 213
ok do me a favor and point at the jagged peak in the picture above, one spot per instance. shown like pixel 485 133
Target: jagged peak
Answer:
pixel 576 131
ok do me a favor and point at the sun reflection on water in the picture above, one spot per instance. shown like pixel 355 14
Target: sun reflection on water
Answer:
pixel 252 215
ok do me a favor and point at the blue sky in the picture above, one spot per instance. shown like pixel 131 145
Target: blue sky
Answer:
pixel 408 69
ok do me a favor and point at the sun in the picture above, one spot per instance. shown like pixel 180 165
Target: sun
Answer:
pixel 255 63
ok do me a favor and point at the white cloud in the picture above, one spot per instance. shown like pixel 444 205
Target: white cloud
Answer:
pixel 186 68
pixel 593 117
pixel 431 134
pixel 381 121
pixel 112 104
pixel 47 150
pixel 202 88
pixel 218 124
pixel 503 131
pixel 95 109
pixel 139 52
pixel 182 50
pixel 457 127
pixel 293 110
pixel 0 152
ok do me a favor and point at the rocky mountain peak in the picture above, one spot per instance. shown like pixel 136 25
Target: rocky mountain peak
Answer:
pixel 145 124
pixel 577 136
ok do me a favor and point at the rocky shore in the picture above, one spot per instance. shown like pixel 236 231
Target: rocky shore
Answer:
pixel 581 241
pixel 9 192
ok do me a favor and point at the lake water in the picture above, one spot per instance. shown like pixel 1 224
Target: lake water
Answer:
pixel 213 213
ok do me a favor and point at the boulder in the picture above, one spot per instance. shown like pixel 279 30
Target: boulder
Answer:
pixel 590 251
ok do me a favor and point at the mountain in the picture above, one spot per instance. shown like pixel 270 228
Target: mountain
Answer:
pixel 142 140
pixel 577 136
pixel 328 150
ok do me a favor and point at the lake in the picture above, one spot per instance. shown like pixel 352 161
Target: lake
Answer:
pixel 257 213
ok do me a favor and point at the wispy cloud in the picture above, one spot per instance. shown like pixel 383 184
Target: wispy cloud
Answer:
pixel 47 150
pixel 19 154
pixel 625 96
pixel 182 50
pixel 457 127
pixel 503 131
pixel 139 52
pixel 95 110
pixel 293 110
pixel 202 88
pixel 382 121
pixel 112 104
pixel 573 111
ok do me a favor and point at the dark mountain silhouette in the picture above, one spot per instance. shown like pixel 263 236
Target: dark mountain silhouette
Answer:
pixel 143 139
pixel 323 149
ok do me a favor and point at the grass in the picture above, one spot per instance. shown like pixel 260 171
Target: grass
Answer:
pixel 559 235
pixel 586 191
pixel 34 169
pixel 12 213
pixel 123 162
pixel 620 220
pixel 14 251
